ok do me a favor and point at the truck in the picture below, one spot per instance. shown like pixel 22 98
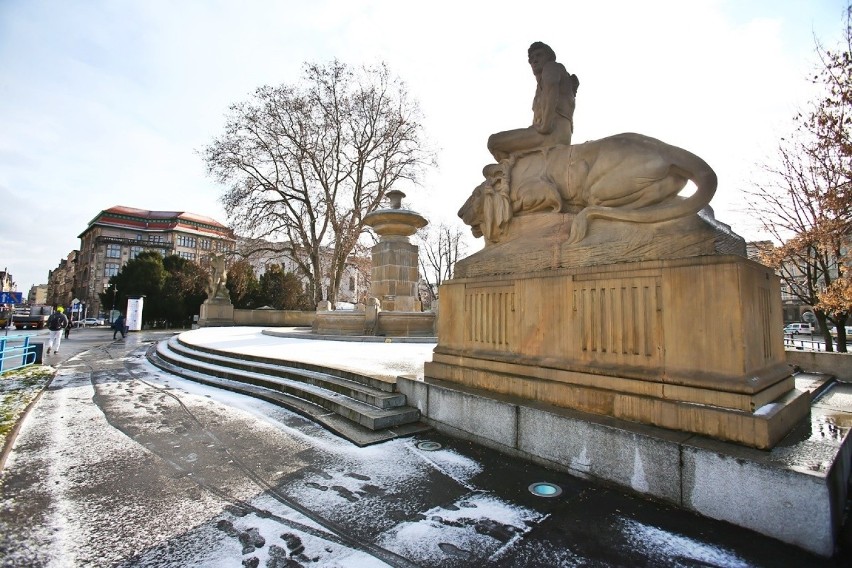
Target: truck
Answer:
pixel 26 317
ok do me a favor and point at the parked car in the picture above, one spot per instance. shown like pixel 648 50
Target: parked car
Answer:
pixel 848 328
pixel 798 329
pixel 89 322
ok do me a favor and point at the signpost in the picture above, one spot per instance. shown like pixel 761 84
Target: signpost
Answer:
pixel 11 297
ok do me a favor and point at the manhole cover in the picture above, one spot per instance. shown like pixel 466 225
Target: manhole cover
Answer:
pixel 428 446
pixel 542 489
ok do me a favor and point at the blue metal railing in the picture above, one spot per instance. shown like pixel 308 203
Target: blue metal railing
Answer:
pixel 16 352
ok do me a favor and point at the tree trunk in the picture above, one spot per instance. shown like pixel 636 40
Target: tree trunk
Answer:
pixel 826 332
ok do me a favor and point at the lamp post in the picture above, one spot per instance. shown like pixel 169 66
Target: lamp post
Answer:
pixel 114 292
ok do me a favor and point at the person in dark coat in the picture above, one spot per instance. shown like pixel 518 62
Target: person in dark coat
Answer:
pixel 119 326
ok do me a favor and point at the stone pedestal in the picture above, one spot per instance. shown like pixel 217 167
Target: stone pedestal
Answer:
pixel 216 313
pixel 394 274
pixel 692 344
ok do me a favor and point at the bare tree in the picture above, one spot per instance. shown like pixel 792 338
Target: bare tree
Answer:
pixel 797 210
pixel 806 205
pixel 441 246
pixel 305 163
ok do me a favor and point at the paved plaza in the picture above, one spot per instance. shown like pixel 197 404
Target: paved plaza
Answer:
pixel 121 464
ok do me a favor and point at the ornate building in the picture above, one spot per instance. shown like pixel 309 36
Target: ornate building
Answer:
pixel 60 281
pixel 354 285
pixel 38 294
pixel 7 284
pixel 119 234
pixel 792 307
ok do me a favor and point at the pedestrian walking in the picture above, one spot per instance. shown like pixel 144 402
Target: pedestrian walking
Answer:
pixel 68 327
pixel 118 326
pixel 56 323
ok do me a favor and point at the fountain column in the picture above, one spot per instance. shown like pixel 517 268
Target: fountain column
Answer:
pixel 394 273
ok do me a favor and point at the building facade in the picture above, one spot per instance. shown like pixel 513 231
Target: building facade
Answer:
pixel 60 281
pixel 354 285
pixel 37 294
pixel 7 284
pixel 119 234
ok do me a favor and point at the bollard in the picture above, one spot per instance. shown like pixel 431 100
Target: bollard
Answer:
pixel 36 352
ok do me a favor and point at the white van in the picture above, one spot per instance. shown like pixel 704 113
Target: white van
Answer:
pixel 798 329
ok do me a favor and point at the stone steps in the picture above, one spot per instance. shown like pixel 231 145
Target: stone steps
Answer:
pixel 361 409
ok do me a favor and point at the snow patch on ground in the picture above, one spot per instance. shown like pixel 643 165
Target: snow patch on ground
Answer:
pixel 474 527
pixel 662 544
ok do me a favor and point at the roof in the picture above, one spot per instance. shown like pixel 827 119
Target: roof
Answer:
pixel 131 217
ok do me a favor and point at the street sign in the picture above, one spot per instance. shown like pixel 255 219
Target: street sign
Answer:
pixel 809 317
pixel 11 297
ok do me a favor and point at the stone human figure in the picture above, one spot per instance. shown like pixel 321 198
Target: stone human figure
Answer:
pixel 553 108
pixel 218 277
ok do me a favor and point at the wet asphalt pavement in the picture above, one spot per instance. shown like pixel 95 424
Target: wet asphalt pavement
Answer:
pixel 120 464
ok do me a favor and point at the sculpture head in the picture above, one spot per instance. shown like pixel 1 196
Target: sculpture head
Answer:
pixel 471 211
pixel 538 54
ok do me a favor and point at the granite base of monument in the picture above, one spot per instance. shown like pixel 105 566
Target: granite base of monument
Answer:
pixel 693 344
pixel 216 313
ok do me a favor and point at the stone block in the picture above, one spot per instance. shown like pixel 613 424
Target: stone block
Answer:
pixel 477 415
pixel 591 449
pixel 574 337
pixel 787 505
pixel 416 393
pixel 216 314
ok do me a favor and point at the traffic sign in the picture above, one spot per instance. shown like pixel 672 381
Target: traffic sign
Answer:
pixel 11 297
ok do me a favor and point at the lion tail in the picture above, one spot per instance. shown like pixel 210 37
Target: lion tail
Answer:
pixel 690 167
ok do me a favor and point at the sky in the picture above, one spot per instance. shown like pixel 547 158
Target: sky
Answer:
pixel 110 102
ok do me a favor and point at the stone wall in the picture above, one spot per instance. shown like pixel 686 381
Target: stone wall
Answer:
pixel 837 364
pixel 279 318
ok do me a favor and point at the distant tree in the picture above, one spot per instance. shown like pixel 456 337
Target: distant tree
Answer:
pixel 243 285
pixel 807 205
pixel 282 290
pixel 184 289
pixel 304 163
pixel 173 287
pixel 141 276
pixel 441 246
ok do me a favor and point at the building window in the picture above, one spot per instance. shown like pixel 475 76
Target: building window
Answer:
pixel 138 237
pixel 110 269
pixel 184 241
pixel 113 250
pixel 135 251
pixel 204 243
pixel 155 238
pixel 187 255
pixel 351 283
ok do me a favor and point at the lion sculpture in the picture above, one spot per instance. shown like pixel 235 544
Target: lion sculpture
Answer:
pixel 626 177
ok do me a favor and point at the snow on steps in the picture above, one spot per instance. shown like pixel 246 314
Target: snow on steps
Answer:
pixel 361 409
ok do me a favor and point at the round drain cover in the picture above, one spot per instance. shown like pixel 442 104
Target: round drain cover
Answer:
pixel 542 489
pixel 428 446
